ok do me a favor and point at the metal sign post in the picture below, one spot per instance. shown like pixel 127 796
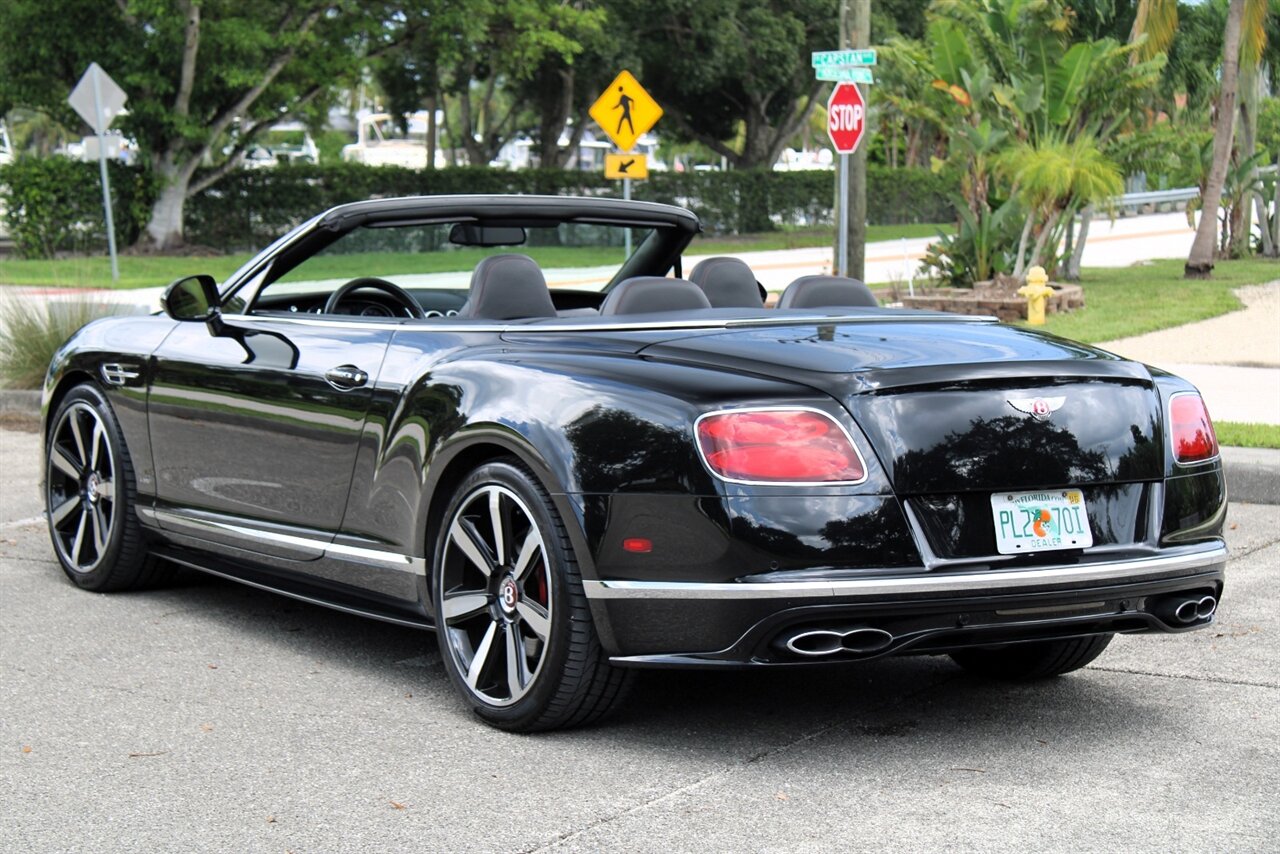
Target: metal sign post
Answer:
pixel 842 256
pixel 98 100
pixel 626 232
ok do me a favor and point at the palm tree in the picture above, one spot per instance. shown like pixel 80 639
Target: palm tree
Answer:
pixel 1200 262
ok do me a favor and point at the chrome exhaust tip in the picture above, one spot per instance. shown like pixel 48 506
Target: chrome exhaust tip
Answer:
pixel 818 643
pixel 1192 609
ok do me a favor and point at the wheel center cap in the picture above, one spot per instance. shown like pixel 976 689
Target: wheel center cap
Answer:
pixel 508 595
pixel 91 487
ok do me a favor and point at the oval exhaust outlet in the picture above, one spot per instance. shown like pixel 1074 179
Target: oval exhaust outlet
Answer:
pixel 863 640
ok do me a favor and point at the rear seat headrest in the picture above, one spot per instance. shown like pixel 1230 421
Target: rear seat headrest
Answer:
pixel 826 292
pixel 728 283
pixel 506 287
pixel 644 294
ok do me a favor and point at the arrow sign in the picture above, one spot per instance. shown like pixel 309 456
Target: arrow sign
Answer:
pixel 822 58
pixel 845 74
pixel 623 166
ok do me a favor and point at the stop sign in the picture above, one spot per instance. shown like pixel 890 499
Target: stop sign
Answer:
pixel 846 117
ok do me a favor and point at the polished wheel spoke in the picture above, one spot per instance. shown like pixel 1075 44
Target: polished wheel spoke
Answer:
pixel 64 464
pixel 100 531
pixel 530 548
pixel 74 422
pixel 481 656
pixel 63 510
pixel 107 490
pixel 499 527
pixel 78 541
pixel 535 618
pixel 95 443
pixel 459 606
pixel 517 667
pixel 461 535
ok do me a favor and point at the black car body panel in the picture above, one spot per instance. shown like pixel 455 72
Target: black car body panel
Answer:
pixel 253 464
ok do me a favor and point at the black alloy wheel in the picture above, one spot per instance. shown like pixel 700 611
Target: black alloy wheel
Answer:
pixel 512 621
pixel 90 497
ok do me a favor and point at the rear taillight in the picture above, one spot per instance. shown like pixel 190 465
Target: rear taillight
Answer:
pixel 1190 429
pixel 779 446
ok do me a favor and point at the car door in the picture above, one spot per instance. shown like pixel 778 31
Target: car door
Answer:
pixel 255 422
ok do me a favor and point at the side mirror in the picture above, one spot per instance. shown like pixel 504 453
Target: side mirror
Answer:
pixel 191 298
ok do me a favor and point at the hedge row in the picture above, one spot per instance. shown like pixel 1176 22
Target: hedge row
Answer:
pixel 55 204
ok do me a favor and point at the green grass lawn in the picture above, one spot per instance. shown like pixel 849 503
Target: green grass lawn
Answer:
pixel 1241 435
pixel 1125 301
pixel 149 271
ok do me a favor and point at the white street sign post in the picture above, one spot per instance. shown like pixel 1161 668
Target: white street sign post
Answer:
pixel 98 100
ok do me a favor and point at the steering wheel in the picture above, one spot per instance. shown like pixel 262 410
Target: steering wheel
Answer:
pixel 397 293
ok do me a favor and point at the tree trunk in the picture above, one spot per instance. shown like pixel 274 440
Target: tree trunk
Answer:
pixel 1200 262
pixel 1077 254
pixel 1264 226
pixel 1019 261
pixel 432 130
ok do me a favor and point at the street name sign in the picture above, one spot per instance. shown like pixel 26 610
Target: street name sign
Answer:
pixel 845 73
pixel 625 111
pixel 824 58
pixel 623 166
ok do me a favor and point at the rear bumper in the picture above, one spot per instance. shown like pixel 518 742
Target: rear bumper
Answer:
pixel 681 624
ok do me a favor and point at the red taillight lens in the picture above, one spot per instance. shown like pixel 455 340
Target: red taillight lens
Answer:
pixel 1191 430
pixel 778 446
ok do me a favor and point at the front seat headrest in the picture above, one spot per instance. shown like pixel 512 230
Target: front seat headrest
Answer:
pixel 826 292
pixel 505 287
pixel 644 294
pixel 728 283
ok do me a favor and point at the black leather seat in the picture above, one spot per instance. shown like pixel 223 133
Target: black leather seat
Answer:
pixel 506 287
pixel 827 292
pixel 644 294
pixel 728 283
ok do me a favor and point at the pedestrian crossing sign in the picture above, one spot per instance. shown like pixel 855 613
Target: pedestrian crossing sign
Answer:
pixel 625 111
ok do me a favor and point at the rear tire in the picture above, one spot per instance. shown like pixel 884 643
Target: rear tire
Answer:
pixel 1036 660
pixel 514 627
pixel 91 498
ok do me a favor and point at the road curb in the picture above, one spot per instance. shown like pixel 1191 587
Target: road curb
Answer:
pixel 20 402
pixel 1253 475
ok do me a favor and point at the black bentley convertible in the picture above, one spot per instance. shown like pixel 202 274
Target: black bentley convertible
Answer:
pixel 392 412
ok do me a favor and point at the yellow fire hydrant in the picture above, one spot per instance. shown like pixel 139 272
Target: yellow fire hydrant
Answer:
pixel 1037 292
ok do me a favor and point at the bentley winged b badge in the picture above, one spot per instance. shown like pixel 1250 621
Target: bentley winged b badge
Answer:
pixel 1039 408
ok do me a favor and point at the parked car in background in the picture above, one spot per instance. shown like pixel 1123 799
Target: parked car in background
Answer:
pixel 381 141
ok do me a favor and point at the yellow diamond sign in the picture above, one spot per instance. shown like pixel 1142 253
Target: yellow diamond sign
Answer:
pixel 619 166
pixel 625 111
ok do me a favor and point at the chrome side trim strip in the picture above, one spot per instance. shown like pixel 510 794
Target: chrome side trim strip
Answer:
pixel 407 563
pixel 621 326
pixel 1006 580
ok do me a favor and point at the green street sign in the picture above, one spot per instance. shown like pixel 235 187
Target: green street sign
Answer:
pixel 824 58
pixel 855 74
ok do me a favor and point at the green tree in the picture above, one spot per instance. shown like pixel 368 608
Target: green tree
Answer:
pixel 724 67
pixel 204 78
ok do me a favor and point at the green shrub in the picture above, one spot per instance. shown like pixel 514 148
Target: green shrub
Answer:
pixel 35 328
pixel 54 204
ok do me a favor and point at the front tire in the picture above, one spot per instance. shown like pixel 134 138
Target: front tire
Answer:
pixel 1037 660
pixel 514 628
pixel 90 497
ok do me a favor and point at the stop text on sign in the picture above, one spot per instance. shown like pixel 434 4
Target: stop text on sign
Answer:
pixel 846 118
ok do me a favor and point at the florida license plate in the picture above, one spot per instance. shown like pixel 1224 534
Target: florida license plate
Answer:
pixel 1040 521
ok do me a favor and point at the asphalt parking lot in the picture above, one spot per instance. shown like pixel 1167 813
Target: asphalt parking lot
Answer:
pixel 214 717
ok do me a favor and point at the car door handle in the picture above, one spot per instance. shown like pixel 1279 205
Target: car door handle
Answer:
pixel 346 377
